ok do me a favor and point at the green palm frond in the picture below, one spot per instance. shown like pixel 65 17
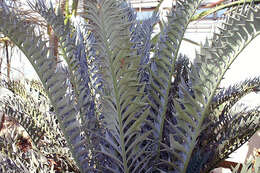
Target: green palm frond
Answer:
pixel 11 161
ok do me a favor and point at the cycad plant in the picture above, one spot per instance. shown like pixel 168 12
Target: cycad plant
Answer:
pixel 128 103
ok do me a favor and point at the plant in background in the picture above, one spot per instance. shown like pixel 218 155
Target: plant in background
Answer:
pixel 128 103
pixel 30 138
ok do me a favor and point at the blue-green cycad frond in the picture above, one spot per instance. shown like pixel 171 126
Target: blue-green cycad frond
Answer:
pixel 215 59
pixel 221 125
pixel 54 80
pixel 233 135
pixel 233 94
pixel 225 135
pixel 141 34
pixel 206 74
pixel 123 109
pixel 73 50
pixel 163 65
pixel 142 37
pixel 210 66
